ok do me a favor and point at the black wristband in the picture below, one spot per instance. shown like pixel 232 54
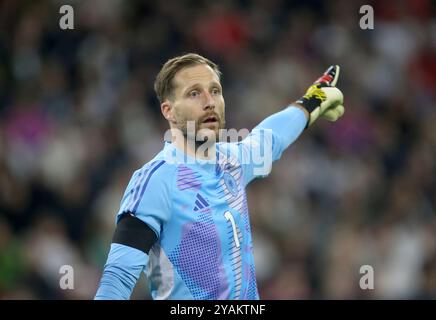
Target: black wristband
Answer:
pixel 310 104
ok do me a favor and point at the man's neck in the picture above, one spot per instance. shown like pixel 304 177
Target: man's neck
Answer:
pixel 191 148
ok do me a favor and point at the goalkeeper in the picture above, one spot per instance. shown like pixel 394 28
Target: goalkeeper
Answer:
pixel 183 219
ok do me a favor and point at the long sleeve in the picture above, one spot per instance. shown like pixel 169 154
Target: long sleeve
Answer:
pixel 267 141
pixel 286 126
pixel 121 272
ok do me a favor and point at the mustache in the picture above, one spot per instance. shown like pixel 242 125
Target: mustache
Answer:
pixel 211 115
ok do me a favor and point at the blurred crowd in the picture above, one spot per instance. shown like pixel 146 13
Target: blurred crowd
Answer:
pixel 78 115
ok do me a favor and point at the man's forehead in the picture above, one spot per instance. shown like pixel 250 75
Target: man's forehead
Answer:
pixel 193 74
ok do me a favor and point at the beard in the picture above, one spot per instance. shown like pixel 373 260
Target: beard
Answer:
pixel 196 129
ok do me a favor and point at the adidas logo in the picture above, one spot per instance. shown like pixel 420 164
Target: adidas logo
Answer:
pixel 200 203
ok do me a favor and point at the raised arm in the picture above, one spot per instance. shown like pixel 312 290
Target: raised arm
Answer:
pixel 272 136
pixel 322 99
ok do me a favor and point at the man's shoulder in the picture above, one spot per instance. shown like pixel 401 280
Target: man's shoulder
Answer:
pixel 157 167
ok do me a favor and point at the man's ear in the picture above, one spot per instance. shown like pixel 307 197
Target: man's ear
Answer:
pixel 167 110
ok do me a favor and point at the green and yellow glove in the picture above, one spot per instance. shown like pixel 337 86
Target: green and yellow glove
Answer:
pixel 323 99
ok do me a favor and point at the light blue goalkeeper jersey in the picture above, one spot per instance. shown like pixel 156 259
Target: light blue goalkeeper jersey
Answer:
pixel 198 210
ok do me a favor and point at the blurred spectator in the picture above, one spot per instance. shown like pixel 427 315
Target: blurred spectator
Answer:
pixel 78 115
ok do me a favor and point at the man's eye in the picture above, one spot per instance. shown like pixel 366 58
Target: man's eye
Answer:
pixel 216 91
pixel 194 94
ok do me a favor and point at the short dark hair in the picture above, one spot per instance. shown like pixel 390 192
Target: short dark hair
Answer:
pixel 164 86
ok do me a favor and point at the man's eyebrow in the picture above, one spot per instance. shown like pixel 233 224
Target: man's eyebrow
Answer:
pixel 216 84
pixel 194 85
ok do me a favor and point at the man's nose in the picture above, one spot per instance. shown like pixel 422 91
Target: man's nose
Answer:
pixel 210 102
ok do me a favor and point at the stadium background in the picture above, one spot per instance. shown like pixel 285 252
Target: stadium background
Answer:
pixel 78 115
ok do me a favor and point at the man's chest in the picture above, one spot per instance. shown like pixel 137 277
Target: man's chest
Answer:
pixel 208 205
pixel 199 192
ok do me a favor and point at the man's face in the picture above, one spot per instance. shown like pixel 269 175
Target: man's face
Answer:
pixel 198 97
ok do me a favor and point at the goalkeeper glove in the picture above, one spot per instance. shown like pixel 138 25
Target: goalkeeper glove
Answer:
pixel 323 99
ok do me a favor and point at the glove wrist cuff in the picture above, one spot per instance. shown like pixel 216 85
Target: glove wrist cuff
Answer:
pixel 309 104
